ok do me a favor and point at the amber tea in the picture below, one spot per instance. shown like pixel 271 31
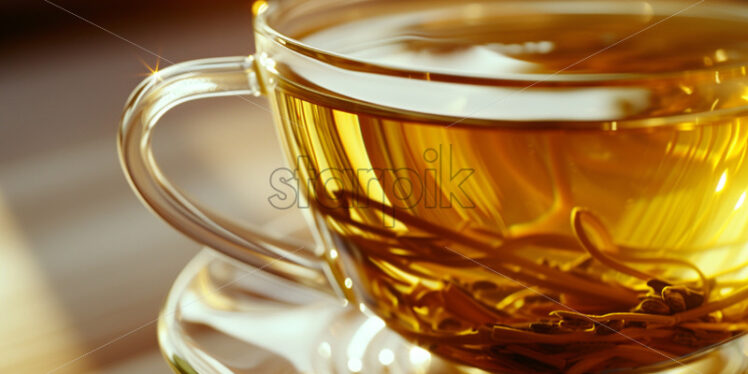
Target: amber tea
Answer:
pixel 580 208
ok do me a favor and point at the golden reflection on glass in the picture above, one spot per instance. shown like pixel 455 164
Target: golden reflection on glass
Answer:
pixel 740 202
pixel 152 71
pixel 720 55
pixel 722 182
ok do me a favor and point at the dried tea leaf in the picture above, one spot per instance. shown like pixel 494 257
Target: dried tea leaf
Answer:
pixel 653 306
pixel 610 327
pixel 691 297
pixel 675 301
pixel 657 285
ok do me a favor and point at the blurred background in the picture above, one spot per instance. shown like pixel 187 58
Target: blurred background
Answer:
pixel 84 267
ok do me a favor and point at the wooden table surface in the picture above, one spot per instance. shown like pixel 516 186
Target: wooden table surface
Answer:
pixel 84 267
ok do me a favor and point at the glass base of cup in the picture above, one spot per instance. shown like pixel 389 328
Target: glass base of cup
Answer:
pixel 222 316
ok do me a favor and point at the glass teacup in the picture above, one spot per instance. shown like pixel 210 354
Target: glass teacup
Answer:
pixel 516 186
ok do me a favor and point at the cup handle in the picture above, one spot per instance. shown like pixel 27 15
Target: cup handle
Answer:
pixel 179 83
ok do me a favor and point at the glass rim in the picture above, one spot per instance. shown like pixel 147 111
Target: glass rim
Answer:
pixel 262 9
pixel 737 70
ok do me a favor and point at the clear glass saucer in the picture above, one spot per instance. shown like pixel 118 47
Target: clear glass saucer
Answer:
pixel 223 316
